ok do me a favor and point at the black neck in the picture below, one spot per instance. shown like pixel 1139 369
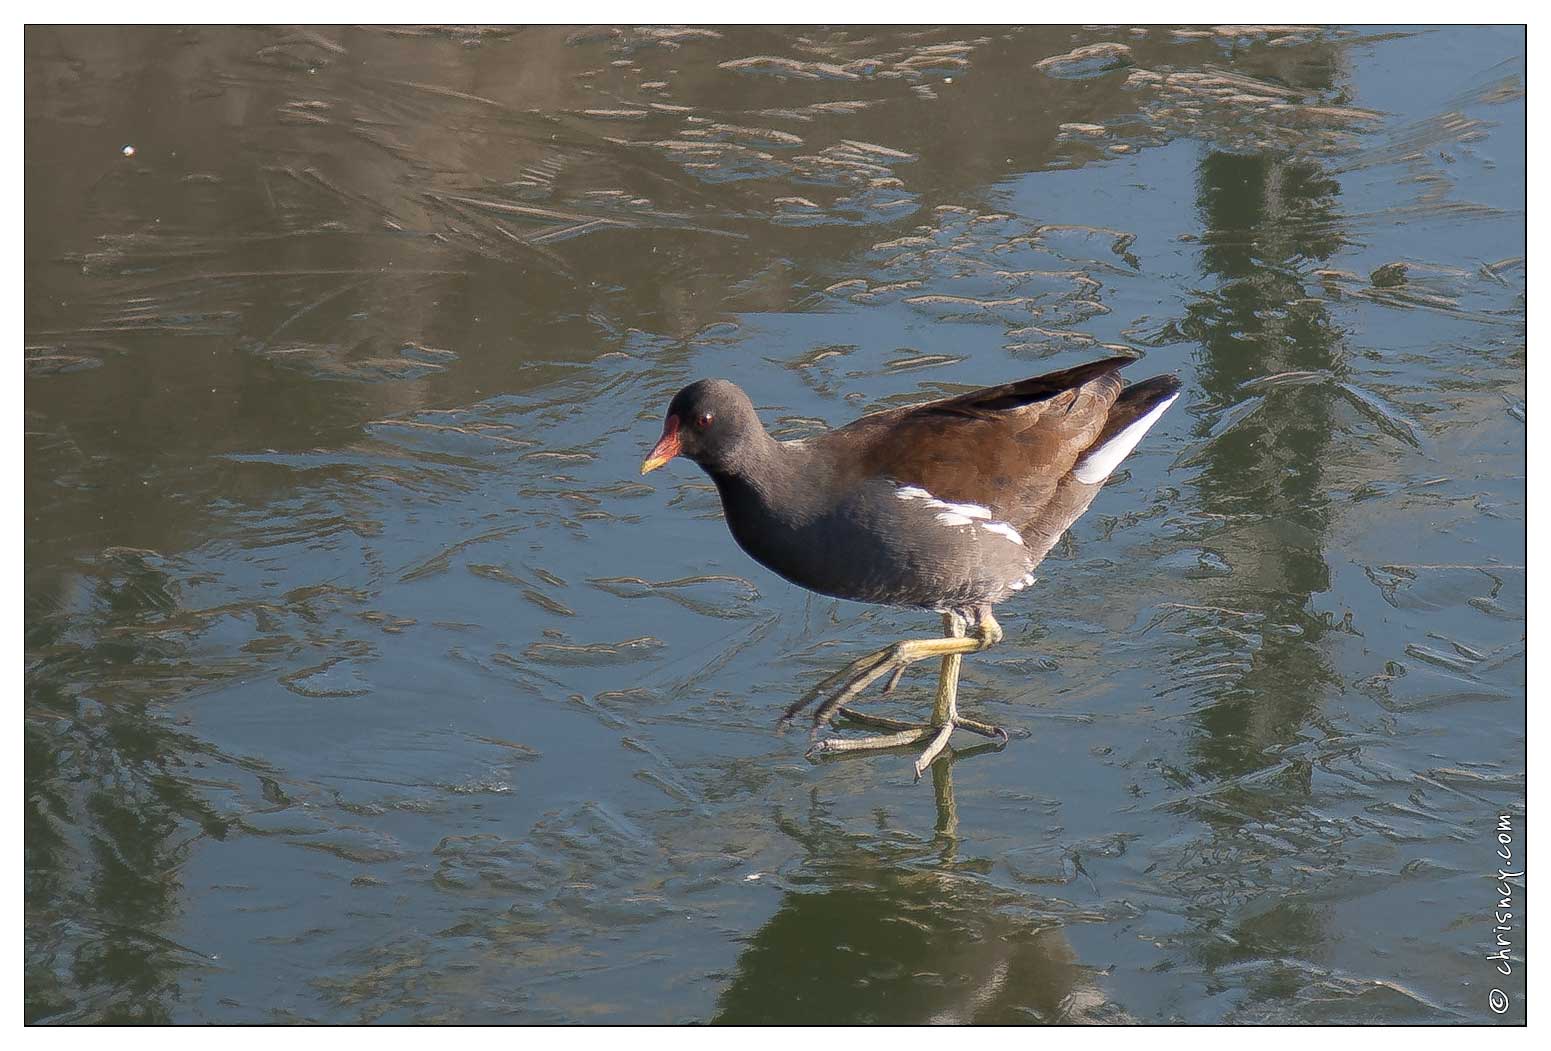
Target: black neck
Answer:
pixel 766 478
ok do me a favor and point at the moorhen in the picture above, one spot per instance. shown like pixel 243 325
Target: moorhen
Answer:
pixel 946 506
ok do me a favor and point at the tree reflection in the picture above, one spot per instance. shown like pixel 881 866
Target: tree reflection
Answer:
pixel 1265 346
pixel 1265 218
pixel 110 808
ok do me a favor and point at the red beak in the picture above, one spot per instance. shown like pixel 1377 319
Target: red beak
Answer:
pixel 667 446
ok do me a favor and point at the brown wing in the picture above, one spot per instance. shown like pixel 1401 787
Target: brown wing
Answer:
pixel 990 402
pixel 1008 448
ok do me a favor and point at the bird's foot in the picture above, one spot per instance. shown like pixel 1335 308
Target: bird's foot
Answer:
pixel 902 733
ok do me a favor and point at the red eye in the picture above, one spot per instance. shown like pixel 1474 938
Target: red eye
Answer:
pixel 704 420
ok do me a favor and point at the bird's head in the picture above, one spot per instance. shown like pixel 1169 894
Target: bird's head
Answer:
pixel 711 422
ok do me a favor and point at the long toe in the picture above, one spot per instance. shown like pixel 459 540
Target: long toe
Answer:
pixel 834 745
pixel 934 749
pixel 975 726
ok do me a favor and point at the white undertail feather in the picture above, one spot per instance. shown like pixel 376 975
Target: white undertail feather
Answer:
pixel 1099 462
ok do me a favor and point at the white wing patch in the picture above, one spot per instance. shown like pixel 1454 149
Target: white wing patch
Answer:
pixel 953 514
pixel 1098 464
pixel 961 510
pixel 1021 583
pixel 959 514
pixel 1004 529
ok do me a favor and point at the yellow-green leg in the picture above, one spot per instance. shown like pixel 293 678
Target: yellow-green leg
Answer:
pixel 847 683
pixel 945 708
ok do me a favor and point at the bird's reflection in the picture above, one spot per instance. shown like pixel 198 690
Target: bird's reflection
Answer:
pixel 889 930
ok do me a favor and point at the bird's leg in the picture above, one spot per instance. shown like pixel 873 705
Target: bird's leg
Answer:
pixel 859 674
pixel 855 677
pixel 945 709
